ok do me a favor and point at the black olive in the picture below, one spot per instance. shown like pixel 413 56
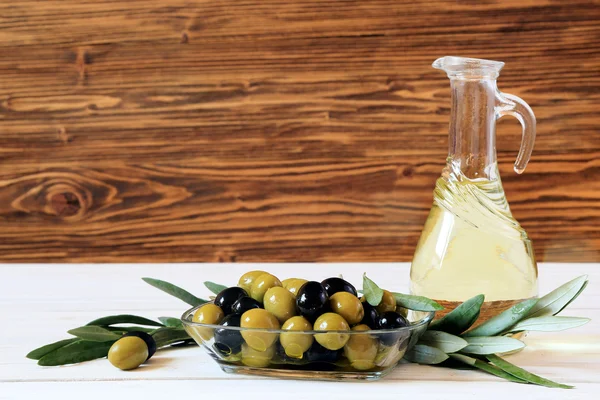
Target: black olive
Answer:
pixel 371 318
pixel 319 354
pixel 312 300
pixel 244 304
pixel 391 320
pixel 229 341
pixel 146 338
pixel 334 285
pixel 227 297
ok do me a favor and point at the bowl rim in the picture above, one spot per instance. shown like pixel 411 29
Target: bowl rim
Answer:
pixel 417 324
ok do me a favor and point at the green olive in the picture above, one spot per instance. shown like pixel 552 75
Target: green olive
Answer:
pixel 389 355
pixel 295 344
pixel 402 311
pixel 293 284
pixel 207 314
pixel 261 284
pixel 286 282
pixel 259 318
pixel 255 358
pixel 128 353
pixel 361 349
pixel 331 322
pixel 246 280
pixel 387 303
pixel 348 306
pixel 281 303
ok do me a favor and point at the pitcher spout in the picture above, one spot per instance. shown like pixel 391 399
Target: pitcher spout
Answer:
pixel 468 68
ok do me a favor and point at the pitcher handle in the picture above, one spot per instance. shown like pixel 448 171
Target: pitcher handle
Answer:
pixel 508 104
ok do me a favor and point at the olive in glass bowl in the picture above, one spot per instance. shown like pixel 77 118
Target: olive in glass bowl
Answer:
pixel 360 353
pixel 312 300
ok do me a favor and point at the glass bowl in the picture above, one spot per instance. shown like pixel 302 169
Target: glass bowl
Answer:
pixel 367 355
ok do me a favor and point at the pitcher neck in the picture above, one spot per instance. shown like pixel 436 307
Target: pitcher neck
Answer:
pixel 472 136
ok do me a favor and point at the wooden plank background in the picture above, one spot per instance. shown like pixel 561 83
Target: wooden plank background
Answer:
pixel 278 130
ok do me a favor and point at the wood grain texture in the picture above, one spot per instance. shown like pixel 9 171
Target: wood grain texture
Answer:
pixel 272 130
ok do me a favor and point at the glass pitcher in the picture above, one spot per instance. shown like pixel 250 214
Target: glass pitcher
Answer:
pixel 471 243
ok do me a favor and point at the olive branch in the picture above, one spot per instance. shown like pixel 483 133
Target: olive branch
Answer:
pixel 448 341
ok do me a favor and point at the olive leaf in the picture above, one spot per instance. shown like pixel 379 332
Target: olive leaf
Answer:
pixel 522 374
pixel 423 354
pixel 489 368
pixel 76 352
pixel 574 297
pixel 175 291
pixel 124 329
pixel 548 324
pixel 94 334
pixel 184 343
pixel 417 303
pixel 168 336
pixel 42 351
pixel 492 344
pixel 461 318
pixel 372 292
pixel 214 287
pixel 171 322
pixel 503 321
pixel 559 298
pixel 444 341
pixel 123 319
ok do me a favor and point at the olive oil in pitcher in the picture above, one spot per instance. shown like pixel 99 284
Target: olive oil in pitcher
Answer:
pixel 471 243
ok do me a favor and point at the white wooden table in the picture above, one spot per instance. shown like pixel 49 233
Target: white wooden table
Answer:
pixel 39 303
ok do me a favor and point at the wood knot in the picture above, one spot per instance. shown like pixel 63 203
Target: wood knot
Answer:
pixel 87 195
pixel 66 200
pixel 82 60
pixel 184 38
pixel 58 197
pixel 408 172
pixel 224 256
pixel 63 136
pixel 65 204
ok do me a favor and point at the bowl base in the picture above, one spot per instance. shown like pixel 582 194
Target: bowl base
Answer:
pixel 306 375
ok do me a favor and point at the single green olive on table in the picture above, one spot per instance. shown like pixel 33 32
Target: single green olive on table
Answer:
pixel 261 300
